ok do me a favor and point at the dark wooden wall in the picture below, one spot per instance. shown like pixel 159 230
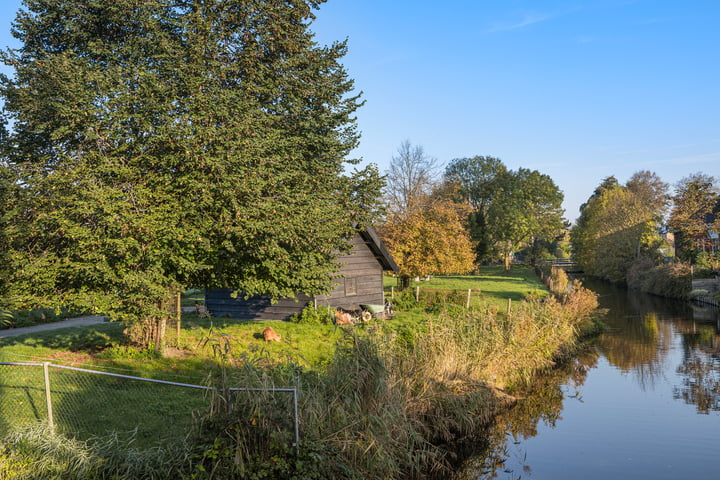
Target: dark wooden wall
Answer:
pixel 362 283
pixel 220 304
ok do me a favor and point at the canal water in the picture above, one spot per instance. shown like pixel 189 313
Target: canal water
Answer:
pixel 642 402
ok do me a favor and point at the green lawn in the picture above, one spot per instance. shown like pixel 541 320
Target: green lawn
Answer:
pixel 491 287
pixel 94 404
pixel 201 338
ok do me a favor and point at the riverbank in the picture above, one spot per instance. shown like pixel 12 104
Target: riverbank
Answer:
pixel 615 409
pixel 385 400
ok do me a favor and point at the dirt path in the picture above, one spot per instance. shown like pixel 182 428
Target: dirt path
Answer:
pixel 71 322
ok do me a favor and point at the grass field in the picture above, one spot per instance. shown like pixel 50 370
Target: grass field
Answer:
pixel 94 405
pixel 193 353
pixel 377 400
pixel 491 287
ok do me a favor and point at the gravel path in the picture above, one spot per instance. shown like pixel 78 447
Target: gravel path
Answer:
pixel 71 322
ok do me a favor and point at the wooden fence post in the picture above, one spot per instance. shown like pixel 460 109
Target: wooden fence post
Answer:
pixel 509 303
pixel 48 397
pixel 467 306
pixel 417 294
pixel 392 293
pixel 178 316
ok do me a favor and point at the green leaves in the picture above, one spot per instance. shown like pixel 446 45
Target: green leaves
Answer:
pixel 509 206
pixel 159 144
pixel 618 226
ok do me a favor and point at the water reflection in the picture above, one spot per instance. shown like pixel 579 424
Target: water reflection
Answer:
pixel 541 403
pixel 669 349
pixel 701 383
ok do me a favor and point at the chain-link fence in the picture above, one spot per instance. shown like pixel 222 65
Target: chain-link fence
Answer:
pixel 83 403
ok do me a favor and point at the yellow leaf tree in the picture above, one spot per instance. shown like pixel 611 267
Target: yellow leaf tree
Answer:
pixel 431 239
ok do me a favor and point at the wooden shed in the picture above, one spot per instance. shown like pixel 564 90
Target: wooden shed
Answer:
pixel 360 283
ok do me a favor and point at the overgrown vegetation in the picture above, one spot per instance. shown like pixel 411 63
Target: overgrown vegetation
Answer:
pixel 672 280
pixel 382 404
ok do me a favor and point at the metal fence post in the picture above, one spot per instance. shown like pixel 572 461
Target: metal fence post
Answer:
pixel 297 422
pixel 48 397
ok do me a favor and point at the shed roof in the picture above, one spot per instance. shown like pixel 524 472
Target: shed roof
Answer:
pixel 377 247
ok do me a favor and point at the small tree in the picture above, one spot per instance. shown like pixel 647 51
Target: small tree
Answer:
pixel 410 179
pixel 430 240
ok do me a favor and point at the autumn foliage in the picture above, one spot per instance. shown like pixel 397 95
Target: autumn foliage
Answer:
pixel 430 240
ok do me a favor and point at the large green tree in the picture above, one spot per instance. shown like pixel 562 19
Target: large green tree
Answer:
pixel 695 212
pixel 528 206
pixel 619 225
pixel 508 207
pixel 479 180
pixel 157 144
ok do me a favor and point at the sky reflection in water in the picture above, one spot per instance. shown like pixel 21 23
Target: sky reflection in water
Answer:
pixel 642 403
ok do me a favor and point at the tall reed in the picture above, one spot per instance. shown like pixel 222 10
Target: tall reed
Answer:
pixel 384 408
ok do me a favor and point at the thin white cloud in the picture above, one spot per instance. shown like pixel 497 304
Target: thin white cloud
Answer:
pixel 528 19
pixel 702 158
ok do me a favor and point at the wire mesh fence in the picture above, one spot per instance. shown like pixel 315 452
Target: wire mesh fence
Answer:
pixel 83 403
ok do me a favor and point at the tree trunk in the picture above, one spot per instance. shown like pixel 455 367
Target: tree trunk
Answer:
pixel 160 336
pixel 508 257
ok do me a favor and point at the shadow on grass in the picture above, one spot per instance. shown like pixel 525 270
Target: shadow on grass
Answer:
pixel 89 338
pixel 87 404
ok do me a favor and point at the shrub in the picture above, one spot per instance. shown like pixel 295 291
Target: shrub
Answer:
pixel 314 316
pixel 706 264
pixel 405 300
pixel 672 280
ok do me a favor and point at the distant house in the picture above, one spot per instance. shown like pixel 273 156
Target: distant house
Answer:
pixel 709 241
pixel 361 283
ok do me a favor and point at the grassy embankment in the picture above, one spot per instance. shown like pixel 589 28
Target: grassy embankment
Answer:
pixel 377 401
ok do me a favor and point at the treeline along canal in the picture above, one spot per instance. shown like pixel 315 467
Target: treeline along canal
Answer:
pixel 641 402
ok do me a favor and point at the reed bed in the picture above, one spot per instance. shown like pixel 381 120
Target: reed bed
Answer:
pixel 386 406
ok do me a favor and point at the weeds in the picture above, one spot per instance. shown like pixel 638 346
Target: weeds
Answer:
pixel 37 453
pixel 382 408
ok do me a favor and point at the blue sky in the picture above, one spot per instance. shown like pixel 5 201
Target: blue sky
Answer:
pixel 578 90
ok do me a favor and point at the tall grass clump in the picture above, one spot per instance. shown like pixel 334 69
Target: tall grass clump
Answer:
pixel 385 405
pixel 482 347
pixel 35 452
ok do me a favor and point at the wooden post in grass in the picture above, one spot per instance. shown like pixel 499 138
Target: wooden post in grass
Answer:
pixel 392 293
pixel 467 305
pixel 509 303
pixel 178 307
pixel 48 397
pixel 417 294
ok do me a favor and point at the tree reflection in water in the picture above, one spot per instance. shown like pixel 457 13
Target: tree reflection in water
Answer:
pixel 643 338
pixel 701 383
pixel 540 401
pixel 700 369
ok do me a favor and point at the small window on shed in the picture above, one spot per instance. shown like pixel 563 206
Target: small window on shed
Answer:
pixel 350 286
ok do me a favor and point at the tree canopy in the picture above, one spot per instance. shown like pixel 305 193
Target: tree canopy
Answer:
pixel 432 238
pixel 160 144
pixel 479 179
pixel 696 210
pixel 528 205
pixel 508 207
pixel 619 226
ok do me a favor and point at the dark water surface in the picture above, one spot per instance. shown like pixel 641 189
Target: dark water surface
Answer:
pixel 642 403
